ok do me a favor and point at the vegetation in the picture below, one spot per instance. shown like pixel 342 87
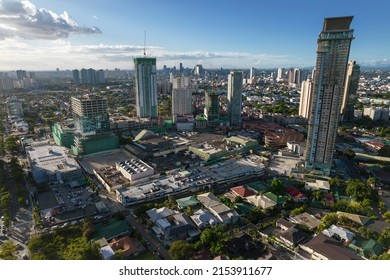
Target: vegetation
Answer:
pixel 358 189
pixel 8 250
pixel 181 250
pixel 276 186
pixel 69 243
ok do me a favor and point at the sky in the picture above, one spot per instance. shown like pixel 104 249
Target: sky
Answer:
pixel 107 34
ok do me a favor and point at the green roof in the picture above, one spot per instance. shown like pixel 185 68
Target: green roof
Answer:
pixel 372 248
pixel 113 229
pixel 187 201
pixel 275 198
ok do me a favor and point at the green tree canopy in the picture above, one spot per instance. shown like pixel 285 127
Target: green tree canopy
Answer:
pixel 276 186
pixel 358 189
pixel 181 250
pixel 8 250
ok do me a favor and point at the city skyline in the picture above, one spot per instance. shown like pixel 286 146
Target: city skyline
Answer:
pixel 45 35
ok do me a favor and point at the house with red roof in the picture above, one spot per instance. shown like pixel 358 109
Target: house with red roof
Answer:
pixel 242 191
pixel 295 194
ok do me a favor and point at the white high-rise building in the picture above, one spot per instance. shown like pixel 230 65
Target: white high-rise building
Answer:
pixel 280 75
pixel 306 94
pixel 146 87
pixel 181 102
pixel 234 96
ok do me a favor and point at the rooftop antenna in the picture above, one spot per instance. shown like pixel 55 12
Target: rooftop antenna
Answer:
pixel 144 42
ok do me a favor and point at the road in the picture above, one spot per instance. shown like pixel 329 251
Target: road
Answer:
pixel 153 244
pixel 113 205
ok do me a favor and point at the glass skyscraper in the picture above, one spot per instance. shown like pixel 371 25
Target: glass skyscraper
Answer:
pixel 332 58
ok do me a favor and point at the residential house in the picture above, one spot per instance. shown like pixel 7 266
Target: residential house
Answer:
pixel 208 199
pixel 242 245
pixel 203 218
pixel 175 227
pixel 306 220
pixel 161 213
pixel 295 194
pixel 292 236
pixel 277 199
pixel 242 191
pixel 183 203
pixel 366 248
pixel 223 213
pixel 318 185
pixel 339 233
pixel 284 224
pixel 261 201
pixel 322 247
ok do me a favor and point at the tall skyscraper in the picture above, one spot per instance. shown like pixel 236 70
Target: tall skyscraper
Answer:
pixel 280 75
pixel 76 76
pixel 306 94
pixel 234 96
pixel 332 56
pixel 252 72
pixel 146 87
pixel 351 86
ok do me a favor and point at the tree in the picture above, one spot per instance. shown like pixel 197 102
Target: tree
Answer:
pixel 208 236
pixel 8 250
pixel 384 237
pixel 358 190
pixel 335 181
pixel 328 220
pixel 368 233
pixel 276 186
pixel 181 250
pixel 371 182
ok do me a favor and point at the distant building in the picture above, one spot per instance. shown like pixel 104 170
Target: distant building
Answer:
pixel 351 86
pixel 376 113
pixel 234 96
pixel 146 87
pixel 306 95
pixel 181 102
pixel 211 110
pixel 252 72
pixel 280 76
pixel 14 107
pixel 329 81
pixel 76 76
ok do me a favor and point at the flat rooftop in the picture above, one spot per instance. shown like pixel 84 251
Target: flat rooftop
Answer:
pixel 102 160
pixel 51 158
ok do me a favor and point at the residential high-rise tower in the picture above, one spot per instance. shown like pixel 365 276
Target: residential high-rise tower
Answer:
pixel 351 86
pixel 234 97
pixel 331 66
pixel 146 87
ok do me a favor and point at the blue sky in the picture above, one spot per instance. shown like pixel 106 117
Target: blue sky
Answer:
pixel 46 34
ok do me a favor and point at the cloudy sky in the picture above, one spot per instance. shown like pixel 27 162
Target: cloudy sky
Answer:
pixel 46 34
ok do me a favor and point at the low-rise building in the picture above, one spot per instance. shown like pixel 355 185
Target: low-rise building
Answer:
pixel 52 164
pixel 317 185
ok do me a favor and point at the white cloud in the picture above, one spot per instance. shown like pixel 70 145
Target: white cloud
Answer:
pixel 24 54
pixel 22 19
pixel 94 17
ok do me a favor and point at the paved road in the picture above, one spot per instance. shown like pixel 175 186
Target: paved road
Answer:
pixel 152 243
